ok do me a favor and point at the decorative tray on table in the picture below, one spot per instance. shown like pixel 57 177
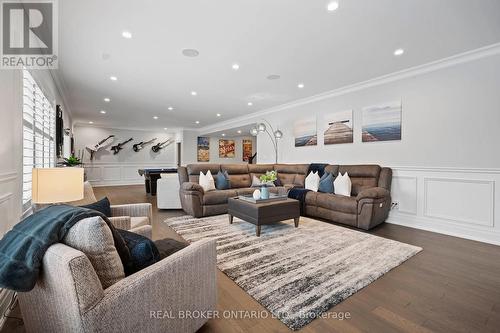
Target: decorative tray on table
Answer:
pixel 272 197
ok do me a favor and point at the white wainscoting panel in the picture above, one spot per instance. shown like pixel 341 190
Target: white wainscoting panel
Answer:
pixel 404 192
pixel 453 201
pixel 107 174
pixel 462 200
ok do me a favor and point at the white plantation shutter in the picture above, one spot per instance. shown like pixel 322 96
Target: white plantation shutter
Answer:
pixel 39 133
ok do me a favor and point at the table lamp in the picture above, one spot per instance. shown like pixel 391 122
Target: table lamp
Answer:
pixel 56 185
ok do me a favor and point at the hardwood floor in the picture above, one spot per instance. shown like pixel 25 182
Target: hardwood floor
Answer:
pixel 453 285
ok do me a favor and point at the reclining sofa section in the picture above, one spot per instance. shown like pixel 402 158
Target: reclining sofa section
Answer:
pixel 367 207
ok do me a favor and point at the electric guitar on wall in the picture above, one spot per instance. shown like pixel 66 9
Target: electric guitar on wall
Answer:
pixel 116 149
pixel 156 148
pixel 138 146
pixel 93 149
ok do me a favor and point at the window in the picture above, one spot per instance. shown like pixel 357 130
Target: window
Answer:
pixel 38 133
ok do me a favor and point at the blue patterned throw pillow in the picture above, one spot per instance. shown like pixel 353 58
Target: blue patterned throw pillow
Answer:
pixel 222 181
pixel 326 183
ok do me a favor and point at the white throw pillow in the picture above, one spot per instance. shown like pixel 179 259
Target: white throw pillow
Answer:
pixel 312 181
pixel 207 181
pixel 342 185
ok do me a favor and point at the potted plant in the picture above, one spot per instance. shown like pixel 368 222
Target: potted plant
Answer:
pixel 71 161
pixel 266 180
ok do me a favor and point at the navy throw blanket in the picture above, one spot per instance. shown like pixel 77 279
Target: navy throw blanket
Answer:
pixel 299 193
pixel 22 248
pixel 317 167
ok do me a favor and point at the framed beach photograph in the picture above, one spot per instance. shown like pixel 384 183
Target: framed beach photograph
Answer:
pixel 338 128
pixel 382 122
pixel 226 148
pixel 305 132
pixel 203 149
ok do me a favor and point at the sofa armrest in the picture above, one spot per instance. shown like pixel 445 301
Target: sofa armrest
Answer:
pixel 145 230
pixel 133 210
pixel 188 186
pixel 184 281
pixel 373 193
pixel 120 222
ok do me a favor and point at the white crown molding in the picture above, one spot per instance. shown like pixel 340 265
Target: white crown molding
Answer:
pixel 461 58
pixel 448 169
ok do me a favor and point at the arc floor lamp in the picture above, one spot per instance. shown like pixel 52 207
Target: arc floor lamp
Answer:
pixel 275 136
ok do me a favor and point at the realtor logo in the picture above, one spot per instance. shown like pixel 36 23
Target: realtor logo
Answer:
pixel 29 34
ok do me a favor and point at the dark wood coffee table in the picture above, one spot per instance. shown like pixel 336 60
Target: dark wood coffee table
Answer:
pixel 264 213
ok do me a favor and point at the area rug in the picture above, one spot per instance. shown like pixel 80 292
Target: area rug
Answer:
pixel 296 273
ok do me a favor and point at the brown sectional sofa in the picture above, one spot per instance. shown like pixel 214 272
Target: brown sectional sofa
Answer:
pixel 368 205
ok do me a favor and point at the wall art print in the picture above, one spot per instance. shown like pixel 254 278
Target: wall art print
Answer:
pixel 203 149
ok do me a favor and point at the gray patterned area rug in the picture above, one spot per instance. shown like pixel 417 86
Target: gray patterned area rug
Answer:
pixel 296 273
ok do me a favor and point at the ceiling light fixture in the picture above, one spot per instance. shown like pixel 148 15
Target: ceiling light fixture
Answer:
pixel 239 131
pixel 165 128
pixel 127 34
pixel 197 122
pixel 91 122
pixel 300 85
pixel 218 114
pixel 194 93
pixel 155 117
pixel 236 67
pixel 113 78
pixel 190 53
pixel 107 99
pixel 170 108
pixel 333 6
pixel 223 134
pixel 103 112
pixel 399 52
pixel 249 103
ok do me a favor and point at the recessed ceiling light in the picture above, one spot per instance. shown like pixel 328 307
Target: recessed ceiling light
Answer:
pixel 239 131
pixel 91 122
pixel 127 34
pixel 249 103
pixel 113 78
pixel 190 53
pixel 194 93
pixel 223 134
pixel 218 114
pixel 107 99
pixel 333 6
pixel 273 77
pixel 236 67
pixel 300 85
pixel 165 128
pixel 399 52
pixel 197 122
pixel 170 108
pixel 103 112
pixel 155 117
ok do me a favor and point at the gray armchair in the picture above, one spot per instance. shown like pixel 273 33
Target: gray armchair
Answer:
pixel 68 296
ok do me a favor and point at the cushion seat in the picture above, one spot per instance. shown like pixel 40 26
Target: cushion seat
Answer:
pixel 332 202
pixel 139 221
pixel 218 197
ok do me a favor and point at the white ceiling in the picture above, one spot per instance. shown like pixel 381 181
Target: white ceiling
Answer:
pixel 297 39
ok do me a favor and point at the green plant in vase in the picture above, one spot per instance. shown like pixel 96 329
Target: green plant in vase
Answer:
pixel 71 161
pixel 267 179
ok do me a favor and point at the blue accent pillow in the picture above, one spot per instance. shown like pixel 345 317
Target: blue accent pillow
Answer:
pixel 326 183
pixel 222 181
pixel 143 251
pixel 102 206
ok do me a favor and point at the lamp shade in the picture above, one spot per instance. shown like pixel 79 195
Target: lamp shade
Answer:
pixel 54 185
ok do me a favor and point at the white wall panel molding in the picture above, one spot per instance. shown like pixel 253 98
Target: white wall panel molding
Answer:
pixel 8 176
pixel 454 201
pixel 108 174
